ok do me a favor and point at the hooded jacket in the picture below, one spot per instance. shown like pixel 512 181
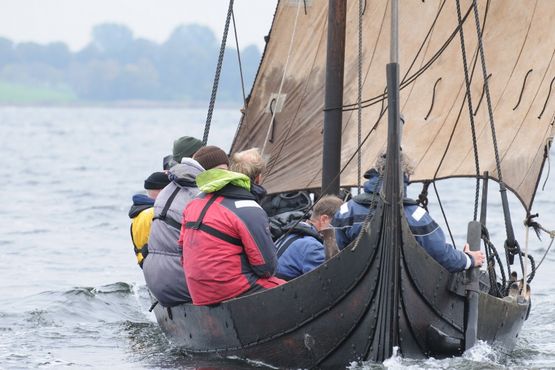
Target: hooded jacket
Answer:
pixel 227 247
pixel 299 251
pixel 163 269
pixel 350 217
pixel 141 214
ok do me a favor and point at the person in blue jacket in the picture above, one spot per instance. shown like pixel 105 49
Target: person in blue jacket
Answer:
pixel 301 250
pixel 350 217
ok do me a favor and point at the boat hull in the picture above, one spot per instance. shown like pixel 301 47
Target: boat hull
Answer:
pixel 336 313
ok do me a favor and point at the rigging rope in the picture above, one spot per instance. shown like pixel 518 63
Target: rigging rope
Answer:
pixel 283 76
pixel 239 59
pixel 444 215
pixel 407 81
pixel 486 87
pixel 548 248
pixel 511 246
pixel 244 109
pixel 493 257
pixel 525 267
pixel 361 6
pixel 470 111
pixel 217 75
pixel 537 227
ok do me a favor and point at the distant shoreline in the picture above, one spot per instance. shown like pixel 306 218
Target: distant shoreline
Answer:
pixel 143 104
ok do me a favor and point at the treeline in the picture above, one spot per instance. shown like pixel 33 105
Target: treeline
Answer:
pixel 116 66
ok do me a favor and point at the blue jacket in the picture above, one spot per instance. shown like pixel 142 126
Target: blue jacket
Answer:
pixel 350 217
pixel 299 251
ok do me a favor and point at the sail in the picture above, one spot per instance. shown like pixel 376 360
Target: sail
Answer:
pixel 519 45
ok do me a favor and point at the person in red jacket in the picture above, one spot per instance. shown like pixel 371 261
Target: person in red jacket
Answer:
pixel 225 235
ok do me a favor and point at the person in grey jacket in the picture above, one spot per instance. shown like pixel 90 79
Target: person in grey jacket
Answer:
pixel 162 267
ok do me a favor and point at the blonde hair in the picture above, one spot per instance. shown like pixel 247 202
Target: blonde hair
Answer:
pixel 327 205
pixel 406 163
pixel 248 162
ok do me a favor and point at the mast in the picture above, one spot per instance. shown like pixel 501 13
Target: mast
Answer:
pixel 333 114
pixel 392 186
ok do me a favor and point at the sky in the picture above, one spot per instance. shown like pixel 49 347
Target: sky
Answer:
pixel 71 21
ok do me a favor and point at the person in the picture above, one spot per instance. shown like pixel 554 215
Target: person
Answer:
pixel 142 212
pixel 250 163
pixel 301 250
pixel 350 217
pixel 227 247
pixel 163 268
pixel 183 147
pixel 211 157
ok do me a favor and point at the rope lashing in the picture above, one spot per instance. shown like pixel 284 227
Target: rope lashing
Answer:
pixel 423 196
pixel 537 227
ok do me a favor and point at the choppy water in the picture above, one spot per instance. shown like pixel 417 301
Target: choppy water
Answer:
pixel 71 295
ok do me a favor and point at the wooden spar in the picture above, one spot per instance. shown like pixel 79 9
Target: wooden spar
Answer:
pixel 335 62
pixel 472 288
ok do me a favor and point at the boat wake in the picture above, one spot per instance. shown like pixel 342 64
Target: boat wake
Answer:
pixel 482 355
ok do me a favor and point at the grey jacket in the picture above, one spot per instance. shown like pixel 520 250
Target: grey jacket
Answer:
pixel 162 268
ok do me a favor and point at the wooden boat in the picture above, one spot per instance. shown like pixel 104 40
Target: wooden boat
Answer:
pixel 384 291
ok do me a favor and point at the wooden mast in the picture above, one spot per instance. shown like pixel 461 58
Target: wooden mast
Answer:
pixel 391 227
pixel 335 62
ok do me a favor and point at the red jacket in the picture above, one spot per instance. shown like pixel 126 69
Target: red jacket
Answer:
pixel 231 250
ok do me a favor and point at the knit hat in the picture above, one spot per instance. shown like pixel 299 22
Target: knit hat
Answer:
pixel 185 146
pixel 156 181
pixel 210 157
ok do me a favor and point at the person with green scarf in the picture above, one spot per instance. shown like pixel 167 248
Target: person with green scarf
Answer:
pixel 225 235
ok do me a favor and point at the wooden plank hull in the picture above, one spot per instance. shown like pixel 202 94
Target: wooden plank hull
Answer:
pixel 339 312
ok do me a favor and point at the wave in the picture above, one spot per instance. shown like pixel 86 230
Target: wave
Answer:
pixel 111 303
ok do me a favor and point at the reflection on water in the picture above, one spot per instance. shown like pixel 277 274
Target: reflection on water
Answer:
pixel 72 295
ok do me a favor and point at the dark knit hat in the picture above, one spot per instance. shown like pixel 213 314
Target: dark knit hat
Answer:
pixel 185 146
pixel 156 181
pixel 210 157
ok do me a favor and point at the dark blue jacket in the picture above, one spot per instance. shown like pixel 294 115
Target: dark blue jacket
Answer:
pixel 140 203
pixel 299 251
pixel 350 217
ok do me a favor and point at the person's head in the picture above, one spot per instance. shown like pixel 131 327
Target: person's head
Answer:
pixel 185 147
pixel 211 157
pixel 406 164
pixel 155 183
pixel 249 162
pixel 168 162
pixel 323 211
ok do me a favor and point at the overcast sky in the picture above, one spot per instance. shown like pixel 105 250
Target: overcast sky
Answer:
pixel 71 21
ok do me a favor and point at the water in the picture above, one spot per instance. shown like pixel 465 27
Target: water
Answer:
pixel 71 293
